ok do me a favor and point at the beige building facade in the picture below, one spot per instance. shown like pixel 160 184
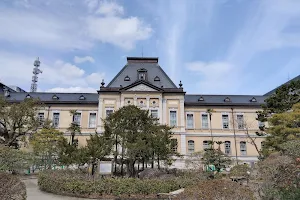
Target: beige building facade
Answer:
pixel 196 119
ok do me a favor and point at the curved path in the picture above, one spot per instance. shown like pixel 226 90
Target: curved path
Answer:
pixel 33 192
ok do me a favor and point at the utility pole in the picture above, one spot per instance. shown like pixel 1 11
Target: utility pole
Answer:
pixel 234 135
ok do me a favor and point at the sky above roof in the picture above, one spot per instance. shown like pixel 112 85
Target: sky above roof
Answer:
pixel 212 46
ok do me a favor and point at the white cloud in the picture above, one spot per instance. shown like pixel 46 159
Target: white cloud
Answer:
pixel 110 8
pixel 49 28
pixel 79 60
pixel 73 90
pixel 213 76
pixel 95 78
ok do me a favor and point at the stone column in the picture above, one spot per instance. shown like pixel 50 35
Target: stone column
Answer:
pixel 135 100
pixel 183 144
pixel 160 110
pixel 164 108
pixel 148 102
pixel 100 114
pixel 122 100
pixel 182 124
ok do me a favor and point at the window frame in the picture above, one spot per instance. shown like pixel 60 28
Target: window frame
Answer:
pixel 243 122
pixel 78 112
pixel 228 124
pixel 107 109
pixel 230 152
pixel 175 147
pixel 188 149
pixel 186 124
pixel 41 121
pixel 208 144
pixel 207 114
pixel 53 113
pixel 176 117
pixel 89 121
pixel 243 151
pixel 156 113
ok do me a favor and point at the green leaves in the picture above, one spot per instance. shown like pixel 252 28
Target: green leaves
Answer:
pixel 14 159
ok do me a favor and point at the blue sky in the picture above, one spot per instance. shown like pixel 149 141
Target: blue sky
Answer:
pixel 212 46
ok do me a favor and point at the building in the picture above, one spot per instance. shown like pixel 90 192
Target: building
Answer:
pixel 142 82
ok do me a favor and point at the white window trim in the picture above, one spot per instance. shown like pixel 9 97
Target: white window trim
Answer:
pixel 208 126
pixel 186 122
pixel 236 118
pixel 173 109
pixel 156 108
pixel 229 148
pixel 109 108
pixel 88 125
pixel 52 117
pixel 245 148
pixel 188 146
pixel 225 113
pixel 79 111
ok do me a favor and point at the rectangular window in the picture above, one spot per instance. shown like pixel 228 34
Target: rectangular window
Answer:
pixel 190 121
pixel 77 118
pixel 228 147
pixel 225 120
pixel 55 120
pixel 108 112
pixel 204 121
pixel 173 118
pixel 41 117
pixel 261 124
pixel 174 145
pixel 243 148
pixel 154 113
pixel 240 121
pixel 92 120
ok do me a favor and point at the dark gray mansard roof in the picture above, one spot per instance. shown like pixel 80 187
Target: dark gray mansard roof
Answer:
pixel 78 98
pixel 136 63
pixel 243 100
pixel 273 91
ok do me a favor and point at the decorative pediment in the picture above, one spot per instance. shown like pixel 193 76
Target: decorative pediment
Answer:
pixel 141 87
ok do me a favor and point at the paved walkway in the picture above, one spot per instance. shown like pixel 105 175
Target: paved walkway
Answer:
pixel 33 192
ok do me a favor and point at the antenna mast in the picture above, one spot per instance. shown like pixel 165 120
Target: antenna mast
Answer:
pixel 35 72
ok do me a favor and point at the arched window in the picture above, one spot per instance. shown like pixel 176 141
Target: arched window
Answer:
pixel 191 146
pixel 206 144
pixel 227 147
pixel 243 148
pixel 174 145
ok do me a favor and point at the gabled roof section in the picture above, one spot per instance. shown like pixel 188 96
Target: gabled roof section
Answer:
pixel 131 69
pixel 273 91
pixel 141 85
pixel 243 100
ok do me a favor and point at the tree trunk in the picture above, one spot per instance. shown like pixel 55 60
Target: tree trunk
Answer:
pixel 143 164
pixel 158 162
pixel 131 168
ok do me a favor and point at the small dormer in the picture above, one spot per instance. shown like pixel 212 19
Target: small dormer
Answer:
pixel 253 99
pixel 28 96
pixel 142 74
pixel 127 78
pixel 82 97
pixel 156 78
pixel 54 97
pixel 227 99
pixel 201 99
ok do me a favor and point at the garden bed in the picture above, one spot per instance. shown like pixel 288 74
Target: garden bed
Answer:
pixel 75 183
pixel 11 187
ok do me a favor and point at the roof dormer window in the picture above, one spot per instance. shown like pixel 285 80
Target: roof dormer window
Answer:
pixel 253 99
pixel 82 97
pixel 54 97
pixel 142 74
pixel 227 99
pixel 201 99
pixel 156 78
pixel 127 78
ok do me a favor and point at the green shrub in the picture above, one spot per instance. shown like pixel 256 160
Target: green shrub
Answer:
pixel 11 187
pixel 75 183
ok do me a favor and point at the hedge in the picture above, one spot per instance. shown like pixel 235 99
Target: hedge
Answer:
pixel 75 183
pixel 11 187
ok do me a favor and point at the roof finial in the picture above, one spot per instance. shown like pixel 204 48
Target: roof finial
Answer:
pixel 102 83
pixel 180 84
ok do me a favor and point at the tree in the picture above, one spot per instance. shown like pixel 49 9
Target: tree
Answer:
pixel 98 147
pixel 46 146
pixel 139 136
pixel 74 127
pixel 284 127
pixel 14 160
pixel 17 120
